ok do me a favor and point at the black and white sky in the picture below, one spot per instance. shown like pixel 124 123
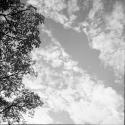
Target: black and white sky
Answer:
pixel 80 63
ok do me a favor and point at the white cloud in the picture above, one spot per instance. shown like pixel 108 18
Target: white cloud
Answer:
pixel 100 108
pixel 109 40
pixel 41 116
pixel 97 7
pixel 115 20
pixel 83 112
pixel 53 9
pixel 68 88
pixel 72 6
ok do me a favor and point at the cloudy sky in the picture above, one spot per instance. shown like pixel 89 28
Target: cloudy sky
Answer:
pixel 80 64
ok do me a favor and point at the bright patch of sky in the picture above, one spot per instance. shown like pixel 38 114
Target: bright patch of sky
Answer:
pixel 74 49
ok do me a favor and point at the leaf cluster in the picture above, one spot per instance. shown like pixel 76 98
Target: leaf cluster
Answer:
pixel 19 34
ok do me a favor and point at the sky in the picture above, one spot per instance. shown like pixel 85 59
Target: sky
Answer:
pixel 80 63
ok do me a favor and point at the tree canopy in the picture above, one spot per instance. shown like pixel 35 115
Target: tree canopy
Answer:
pixel 19 34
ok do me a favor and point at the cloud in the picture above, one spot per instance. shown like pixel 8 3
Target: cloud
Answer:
pixel 115 20
pixel 66 87
pixel 104 30
pixel 40 117
pixel 84 113
pixel 54 9
pixel 106 34
pixel 72 6
pixel 99 108
pixel 50 8
pixel 97 8
pixel 62 84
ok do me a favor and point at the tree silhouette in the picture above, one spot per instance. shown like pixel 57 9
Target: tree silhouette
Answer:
pixel 19 34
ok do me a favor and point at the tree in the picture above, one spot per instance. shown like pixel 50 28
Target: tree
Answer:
pixel 19 34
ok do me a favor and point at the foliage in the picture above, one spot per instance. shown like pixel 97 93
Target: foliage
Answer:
pixel 19 34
